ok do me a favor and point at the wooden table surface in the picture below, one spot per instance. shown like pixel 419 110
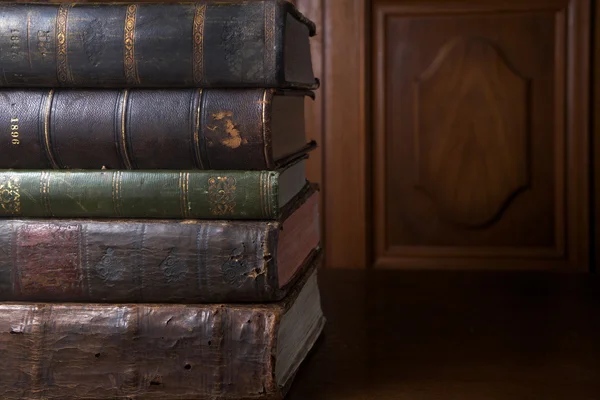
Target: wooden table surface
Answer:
pixel 455 335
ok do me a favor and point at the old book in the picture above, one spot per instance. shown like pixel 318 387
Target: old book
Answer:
pixel 156 261
pixel 245 129
pixel 209 194
pixel 145 351
pixel 203 44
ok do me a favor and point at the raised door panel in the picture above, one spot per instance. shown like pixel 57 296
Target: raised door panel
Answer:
pixel 480 132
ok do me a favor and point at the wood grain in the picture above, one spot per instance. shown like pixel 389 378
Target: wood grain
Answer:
pixel 479 140
pixel 346 145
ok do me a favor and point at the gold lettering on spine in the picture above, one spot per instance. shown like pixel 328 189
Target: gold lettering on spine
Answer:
pixel 269 56
pixel 47 141
pixel 45 193
pixel 198 55
pixel 124 151
pixel 197 130
pixel 131 73
pixel 62 65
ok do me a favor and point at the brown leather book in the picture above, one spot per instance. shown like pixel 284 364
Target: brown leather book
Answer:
pixel 144 351
pixel 174 261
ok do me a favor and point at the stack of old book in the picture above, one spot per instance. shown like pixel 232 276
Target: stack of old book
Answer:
pixel 158 236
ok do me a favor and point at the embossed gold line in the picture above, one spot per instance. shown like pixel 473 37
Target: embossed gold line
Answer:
pixel 198 35
pixel 120 193
pixel 117 193
pixel 264 126
pixel 48 194
pixel 266 194
pixel 114 192
pixel 180 183
pixel 187 194
pixel 45 192
pixel 260 191
pixel 47 146
pixel 126 159
pixel 197 131
pixel 42 188
pixel 269 194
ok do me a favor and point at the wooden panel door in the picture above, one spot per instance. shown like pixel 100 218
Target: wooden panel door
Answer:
pixel 480 134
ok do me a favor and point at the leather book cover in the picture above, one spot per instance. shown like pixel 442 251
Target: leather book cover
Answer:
pixel 168 194
pixel 201 44
pixel 154 351
pixel 183 261
pixel 150 128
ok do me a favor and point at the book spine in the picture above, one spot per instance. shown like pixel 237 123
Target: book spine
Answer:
pixel 136 129
pixel 138 261
pixel 91 351
pixel 140 194
pixel 202 44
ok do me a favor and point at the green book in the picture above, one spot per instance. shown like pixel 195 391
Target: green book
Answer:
pixel 190 194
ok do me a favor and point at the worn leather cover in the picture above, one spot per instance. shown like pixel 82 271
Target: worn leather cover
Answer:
pixel 202 44
pixel 141 351
pixel 152 260
pixel 196 194
pixel 137 129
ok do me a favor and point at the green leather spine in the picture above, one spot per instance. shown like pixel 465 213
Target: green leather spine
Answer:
pixel 140 194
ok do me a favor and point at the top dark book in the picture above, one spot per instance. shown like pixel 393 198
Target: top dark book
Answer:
pixel 203 44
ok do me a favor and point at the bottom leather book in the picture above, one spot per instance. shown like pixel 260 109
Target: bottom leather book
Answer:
pixel 158 351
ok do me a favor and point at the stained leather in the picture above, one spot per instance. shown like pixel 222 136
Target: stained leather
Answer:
pixel 207 44
pixel 138 129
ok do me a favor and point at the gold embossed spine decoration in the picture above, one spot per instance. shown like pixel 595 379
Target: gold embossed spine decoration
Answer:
pixel 62 62
pixel 124 150
pixel 117 180
pixel 129 64
pixel 184 185
pixel 261 192
pixel 47 141
pixel 45 193
pixel 221 195
pixel 10 196
pixel 268 194
pixel 198 32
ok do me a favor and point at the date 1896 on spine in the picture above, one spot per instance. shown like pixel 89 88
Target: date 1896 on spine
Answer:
pixel 14 131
